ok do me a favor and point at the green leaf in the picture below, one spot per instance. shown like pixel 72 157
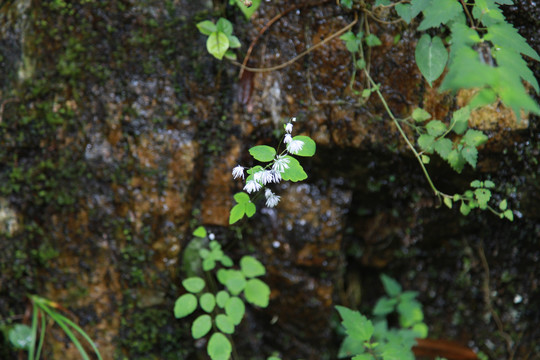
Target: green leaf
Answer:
pixel 200 232
pixel 263 153
pixel 250 209
pixel 350 347
pixel 464 209
pixel 460 120
pixel 248 11
pixel 366 356
pixel 512 62
pixel 225 26
pixel 224 324
pixel 470 154
pixel 443 147
pixel 207 302
pixel 474 138
pixel 21 336
pixel 193 284
pixel 361 64
pixel 483 97
pixel 504 35
pixel 439 12
pixel 348 36
pixel 448 202
pixel 234 42
pixel 419 5
pixel 410 313
pixel 489 184
pixel 420 115
pixel 421 330
pixel 482 196
pixel 201 326
pixel 431 57
pixel 295 172
pixel 357 325
pixel 405 11
pixel 509 215
pixel 456 161
pixel 391 286
pixel 382 2
pixel 435 128
pixel 217 44
pixel 241 197
pixel 208 264
pixel 234 280
pixel 257 292
pixel 237 212
pixel 346 4
pixel 502 205
pixel 476 184
pixel 425 159
pixel 185 305
pixel 309 146
pixel 425 142
pixel 236 309
pixel 221 298
pixel 372 40
pixel 251 267
pixel 206 27
pixel 384 306
pixel 219 347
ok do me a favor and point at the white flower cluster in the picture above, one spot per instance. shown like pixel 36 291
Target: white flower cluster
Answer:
pixel 273 175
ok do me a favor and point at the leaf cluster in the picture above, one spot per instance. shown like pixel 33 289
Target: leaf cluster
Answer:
pixel 220 38
pixel 373 339
pixel 222 310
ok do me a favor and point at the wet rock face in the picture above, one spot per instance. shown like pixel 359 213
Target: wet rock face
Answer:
pixel 122 141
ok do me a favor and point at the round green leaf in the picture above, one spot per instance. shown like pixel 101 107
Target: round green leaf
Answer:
pixel 208 264
pixel 20 336
pixel 224 26
pixel 251 267
pixel 193 284
pixel 201 326
pixel 219 347
pixel 236 309
pixel 241 197
pixel 185 305
pixel 217 44
pixel 263 153
pixel 222 298
pixel 225 324
pixel 257 292
pixel 207 302
pixel 309 146
pixel 226 261
pixel 234 280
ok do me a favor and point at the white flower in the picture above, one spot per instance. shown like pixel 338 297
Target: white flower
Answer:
pixel 288 128
pixel 295 146
pixel 280 163
pixel 237 172
pixel 252 186
pixel 287 139
pixel 271 198
pixel 293 119
pixel 264 177
pixel 276 176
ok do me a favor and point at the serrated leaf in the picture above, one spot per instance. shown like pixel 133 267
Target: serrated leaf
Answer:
pixel 431 57
pixel 207 302
pixel 505 35
pixel 251 267
pixel 474 138
pixel 391 286
pixel 358 327
pixel 482 196
pixel 250 209
pixel 470 154
pixel 503 205
pixel 448 202
pixel 464 209
pixel 225 26
pixel 185 305
pixel 217 44
pixel 349 347
pixel 384 306
pixel 241 197
pixel 456 161
pixel 201 326
pixel 435 128
pixel 295 172
pixel 309 146
pixel 193 284
pixel 443 147
pixel 224 324
pixel 235 308
pixel 425 141
pixel 439 12
pixel 512 62
pixel 219 347
pixel 466 71
pixel 263 153
pixel 257 292
pixel 206 27
pixel 221 298
pixel 237 212
pixel 200 232
pixel 460 120
pixel 420 115
pixel 372 40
